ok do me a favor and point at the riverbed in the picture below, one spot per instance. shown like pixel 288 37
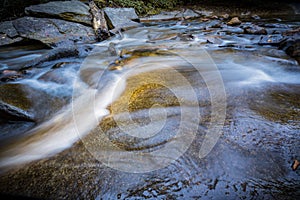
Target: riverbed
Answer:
pixel 170 110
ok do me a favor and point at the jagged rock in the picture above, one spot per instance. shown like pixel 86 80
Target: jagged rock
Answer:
pixel 74 11
pixel 234 21
pixel 121 18
pixel 54 32
pixel 8 33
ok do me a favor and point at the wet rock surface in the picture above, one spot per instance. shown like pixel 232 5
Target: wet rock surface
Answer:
pixel 54 32
pixel 74 11
pixel 14 103
pixel 260 139
pixel 23 103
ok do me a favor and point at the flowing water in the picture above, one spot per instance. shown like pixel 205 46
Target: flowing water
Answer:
pixel 168 111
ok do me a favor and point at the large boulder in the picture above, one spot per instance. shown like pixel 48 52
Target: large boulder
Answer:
pixel 8 34
pixel 54 32
pixel 121 18
pixel 74 11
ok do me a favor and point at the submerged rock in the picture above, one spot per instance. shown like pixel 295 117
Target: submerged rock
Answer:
pixel 78 51
pixel 14 105
pixel 53 32
pixel 24 103
pixel 74 11
pixel 121 18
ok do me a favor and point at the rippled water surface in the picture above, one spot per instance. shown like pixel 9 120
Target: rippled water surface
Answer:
pixel 159 112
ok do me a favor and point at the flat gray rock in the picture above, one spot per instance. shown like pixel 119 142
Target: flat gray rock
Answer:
pixel 74 11
pixel 54 32
pixel 121 18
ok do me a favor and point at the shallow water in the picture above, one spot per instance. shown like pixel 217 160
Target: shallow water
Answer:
pixel 163 115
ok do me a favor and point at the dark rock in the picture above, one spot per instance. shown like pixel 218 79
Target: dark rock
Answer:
pixel 234 21
pixel 121 18
pixel 292 48
pixel 74 11
pixel 10 112
pixel 8 29
pixel 54 32
pixel 256 30
pixel 8 33
pixel 78 51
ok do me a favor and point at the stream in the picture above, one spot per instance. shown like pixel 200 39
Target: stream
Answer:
pixel 170 110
